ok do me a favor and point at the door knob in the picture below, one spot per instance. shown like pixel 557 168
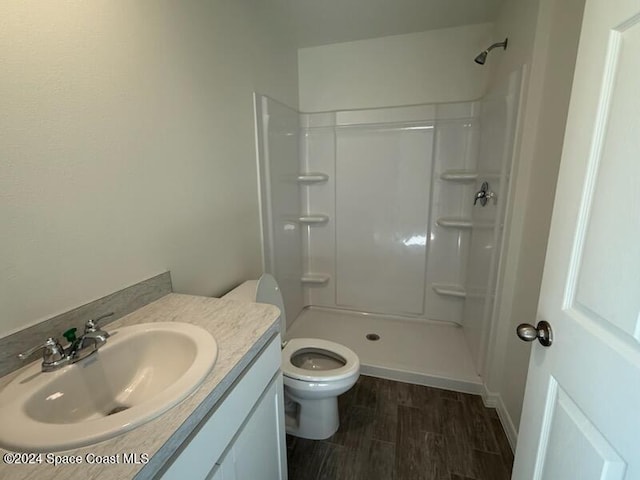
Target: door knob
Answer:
pixel 542 332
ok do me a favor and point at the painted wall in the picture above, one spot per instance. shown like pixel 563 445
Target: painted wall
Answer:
pixel 127 146
pixel 543 35
pixel 427 67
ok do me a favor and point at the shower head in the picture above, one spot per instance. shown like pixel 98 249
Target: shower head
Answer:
pixel 482 57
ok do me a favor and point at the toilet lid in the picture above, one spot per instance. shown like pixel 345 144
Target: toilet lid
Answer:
pixel 268 291
pixel 297 346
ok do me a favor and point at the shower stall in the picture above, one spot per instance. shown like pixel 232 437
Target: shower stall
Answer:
pixel 384 229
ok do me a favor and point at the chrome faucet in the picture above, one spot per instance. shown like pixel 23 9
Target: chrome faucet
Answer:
pixel 55 356
pixel 92 339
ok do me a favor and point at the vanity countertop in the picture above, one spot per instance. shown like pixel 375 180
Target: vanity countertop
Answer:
pixel 241 329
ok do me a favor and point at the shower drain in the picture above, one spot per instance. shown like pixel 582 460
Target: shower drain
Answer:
pixel 373 337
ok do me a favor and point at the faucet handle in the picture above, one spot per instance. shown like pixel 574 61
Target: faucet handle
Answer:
pixel 92 325
pixel 53 351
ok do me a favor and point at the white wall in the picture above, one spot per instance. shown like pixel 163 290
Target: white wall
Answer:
pixel 543 35
pixel 127 146
pixel 427 67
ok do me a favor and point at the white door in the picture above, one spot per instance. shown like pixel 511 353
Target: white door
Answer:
pixel 581 414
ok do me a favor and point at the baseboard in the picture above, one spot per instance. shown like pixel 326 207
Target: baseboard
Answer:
pixel 489 399
pixel 422 379
pixel 494 400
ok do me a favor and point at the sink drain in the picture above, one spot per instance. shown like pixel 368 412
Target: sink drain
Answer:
pixel 115 410
pixel 373 337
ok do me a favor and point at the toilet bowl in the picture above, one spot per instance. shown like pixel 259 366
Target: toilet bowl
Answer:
pixel 315 371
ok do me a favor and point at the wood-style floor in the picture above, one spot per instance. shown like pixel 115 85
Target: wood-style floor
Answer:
pixel 392 430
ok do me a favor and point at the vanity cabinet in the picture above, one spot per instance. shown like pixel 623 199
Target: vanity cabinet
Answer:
pixel 255 453
pixel 243 437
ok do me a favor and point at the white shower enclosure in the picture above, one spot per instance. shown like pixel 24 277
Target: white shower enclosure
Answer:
pixel 393 242
pixel 371 213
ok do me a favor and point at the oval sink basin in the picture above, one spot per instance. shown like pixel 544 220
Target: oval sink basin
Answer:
pixel 140 373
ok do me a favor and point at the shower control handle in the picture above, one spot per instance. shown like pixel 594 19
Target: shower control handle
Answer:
pixel 542 332
pixel 484 194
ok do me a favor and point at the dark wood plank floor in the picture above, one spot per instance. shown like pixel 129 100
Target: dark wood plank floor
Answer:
pixel 392 430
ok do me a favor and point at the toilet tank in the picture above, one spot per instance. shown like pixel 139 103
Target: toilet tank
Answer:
pixel 263 290
pixel 244 292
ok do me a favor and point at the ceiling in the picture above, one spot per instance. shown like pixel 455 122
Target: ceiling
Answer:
pixel 320 22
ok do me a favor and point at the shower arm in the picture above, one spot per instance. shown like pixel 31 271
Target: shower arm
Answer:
pixel 498 44
pixel 481 58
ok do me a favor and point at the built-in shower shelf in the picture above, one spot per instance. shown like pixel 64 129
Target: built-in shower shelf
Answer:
pixel 315 279
pixel 451 222
pixel 316 219
pixel 459 175
pixel 308 178
pixel 449 290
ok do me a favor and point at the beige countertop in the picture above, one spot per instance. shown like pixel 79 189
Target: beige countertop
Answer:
pixel 241 329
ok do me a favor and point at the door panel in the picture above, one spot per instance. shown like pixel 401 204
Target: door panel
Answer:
pixel 575 448
pixel 580 416
pixel 611 254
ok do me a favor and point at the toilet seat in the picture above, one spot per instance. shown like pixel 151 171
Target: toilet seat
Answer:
pixel 293 346
pixel 312 392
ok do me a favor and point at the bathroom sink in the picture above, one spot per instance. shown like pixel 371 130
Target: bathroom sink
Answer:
pixel 140 373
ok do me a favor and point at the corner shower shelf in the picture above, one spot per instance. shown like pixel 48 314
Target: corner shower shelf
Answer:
pixel 449 290
pixel 451 222
pixel 459 175
pixel 312 178
pixel 315 219
pixel 315 278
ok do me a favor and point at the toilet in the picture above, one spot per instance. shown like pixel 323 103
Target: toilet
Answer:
pixel 314 371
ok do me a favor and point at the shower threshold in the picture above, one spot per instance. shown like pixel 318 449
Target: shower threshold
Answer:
pixel 421 352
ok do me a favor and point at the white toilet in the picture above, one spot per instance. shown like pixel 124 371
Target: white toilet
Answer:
pixel 315 371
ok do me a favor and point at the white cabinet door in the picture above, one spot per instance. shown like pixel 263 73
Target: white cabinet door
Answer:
pixel 256 397
pixel 223 469
pixel 580 418
pixel 259 451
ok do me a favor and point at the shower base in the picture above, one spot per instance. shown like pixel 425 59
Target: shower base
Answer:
pixel 421 352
